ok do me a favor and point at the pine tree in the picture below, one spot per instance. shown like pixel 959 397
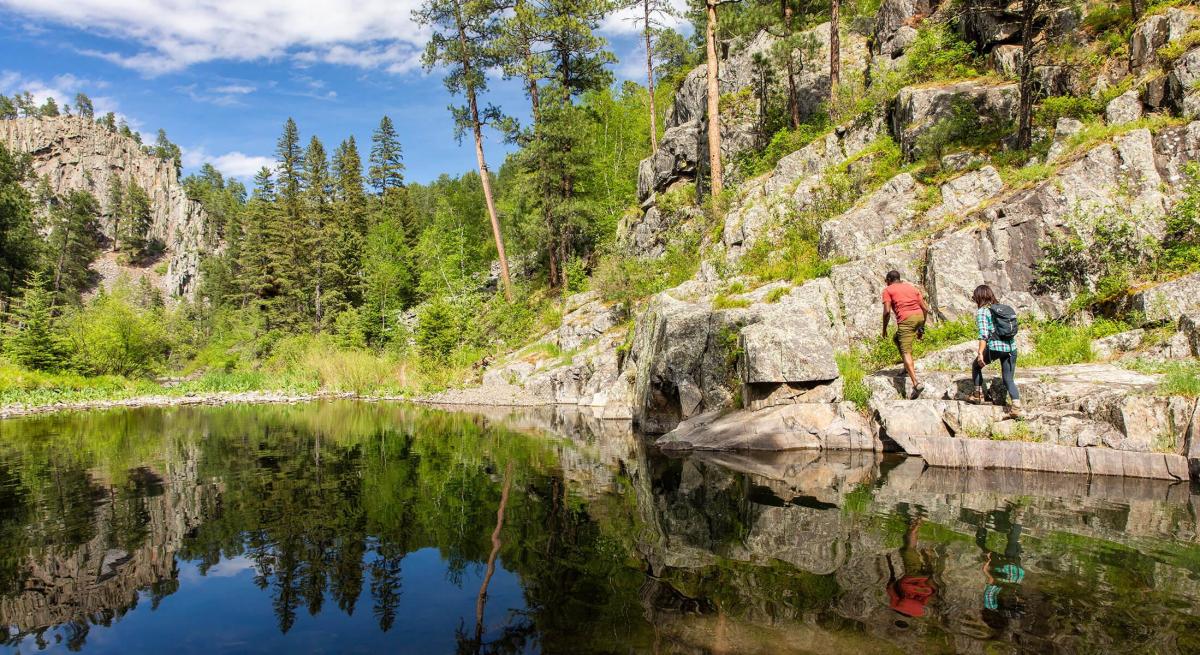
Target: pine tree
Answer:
pixel 74 239
pixel 20 245
pixel 136 222
pixel 49 108
pixel 290 235
pixel 464 36
pixel 31 336
pixel 164 149
pixel 84 107
pixel 254 257
pixel 116 209
pixel 387 158
pixel 8 109
pixel 350 212
pixel 323 234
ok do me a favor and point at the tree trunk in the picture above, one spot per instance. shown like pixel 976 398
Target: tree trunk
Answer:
pixel 793 98
pixel 1136 9
pixel 650 79
pixel 714 105
pixel 835 53
pixel 1025 129
pixel 481 599
pixel 484 177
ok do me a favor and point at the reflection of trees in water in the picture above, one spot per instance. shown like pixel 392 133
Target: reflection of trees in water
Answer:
pixel 327 501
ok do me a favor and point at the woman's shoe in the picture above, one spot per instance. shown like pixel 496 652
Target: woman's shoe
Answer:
pixel 977 398
pixel 1014 408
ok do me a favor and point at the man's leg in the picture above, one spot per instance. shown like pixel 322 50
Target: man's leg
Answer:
pixel 910 368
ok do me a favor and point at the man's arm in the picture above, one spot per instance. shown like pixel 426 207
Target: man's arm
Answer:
pixel 887 316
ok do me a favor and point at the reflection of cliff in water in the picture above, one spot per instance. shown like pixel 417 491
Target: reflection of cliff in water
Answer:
pixel 811 551
pixel 94 547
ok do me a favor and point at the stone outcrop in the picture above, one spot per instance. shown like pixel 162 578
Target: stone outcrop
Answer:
pixel 1170 300
pixel 76 154
pixel 895 25
pixel 812 426
pixel 1155 32
pixel 919 108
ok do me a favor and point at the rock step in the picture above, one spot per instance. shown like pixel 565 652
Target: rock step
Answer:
pixel 985 454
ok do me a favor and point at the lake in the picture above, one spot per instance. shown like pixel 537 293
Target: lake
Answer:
pixel 357 527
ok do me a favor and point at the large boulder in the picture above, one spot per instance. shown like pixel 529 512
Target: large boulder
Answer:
pixel 679 152
pixel 1182 81
pixel 918 108
pixel 1155 32
pixel 961 261
pixel 691 358
pixel 1125 108
pixel 1170 300
pixel 895 25
pixel 967 191
pixel 825 426
pixel 881 216
pixel 860 285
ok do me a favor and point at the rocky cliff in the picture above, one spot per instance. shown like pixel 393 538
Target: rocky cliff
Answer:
pixel 729 338
pixel 76 154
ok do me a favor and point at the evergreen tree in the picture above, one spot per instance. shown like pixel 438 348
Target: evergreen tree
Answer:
pixel 25 105
pixel 351 215
pixel 289 233
pixel 31 337
pixel 116 209
pixel 83 106
pixel 49 108
pixel 74 240
pixel 135 224
pixel 109 122
pixel 254 260
pixel 387 158
pixel 164 149
pixel 20 245
pixel 465 33
pixel 8 109
pixel 323 233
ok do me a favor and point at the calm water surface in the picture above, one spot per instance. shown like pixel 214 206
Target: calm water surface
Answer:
pixel 355 527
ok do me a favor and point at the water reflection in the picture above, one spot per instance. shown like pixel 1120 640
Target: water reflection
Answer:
pixel 357 527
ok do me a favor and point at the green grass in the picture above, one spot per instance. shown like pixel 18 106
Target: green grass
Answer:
pixel 777 294
pixel 1057 344
pixel 1181 379
pixel 724 301
pixel 850 367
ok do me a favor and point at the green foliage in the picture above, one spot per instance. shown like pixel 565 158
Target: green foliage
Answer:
pixel 114 335
pixel 850 367
pixel 784 142
pixel 1181 379
pixel 1081 107
pixel 1172 51
pixel 32 337
pixel 1057 343
pixel 1181 245
pixel 724 301
pixel 777 294
pixel 676 198
pixel 73 242
pixel 1097 255
pixel 793 255
pixel 619 278
pixel 20 245
pixel 438 329
pixel 939 53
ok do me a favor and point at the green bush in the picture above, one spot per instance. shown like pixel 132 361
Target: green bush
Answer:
pixel 676 198
pixel 850 367
pixel 32 336
pixel 438 329
pixel 1056 107
pixel 783 143
pixel 939 53
pixel 112 335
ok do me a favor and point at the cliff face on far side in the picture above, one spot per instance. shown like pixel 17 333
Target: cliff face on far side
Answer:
pixel 76 154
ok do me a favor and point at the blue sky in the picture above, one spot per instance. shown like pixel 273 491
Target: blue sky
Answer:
pixel 221 76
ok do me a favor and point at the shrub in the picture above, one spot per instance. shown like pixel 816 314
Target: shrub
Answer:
pixel 348 329
pixel 939 53
pixel 676 198
pixel 32 337
pixel 1181 247
pixel 783 143
pixel 1056 107
pixel 113 336
pixel 850 367
pixel 438 329
pixel 1098 255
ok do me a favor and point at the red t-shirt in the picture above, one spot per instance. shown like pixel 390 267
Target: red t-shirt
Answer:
pixel 903 298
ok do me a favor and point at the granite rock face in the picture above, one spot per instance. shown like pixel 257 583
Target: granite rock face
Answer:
pixel 919 108
pixel 820 426
pixel 1155 32
pixel 1170 300
pixel 76 154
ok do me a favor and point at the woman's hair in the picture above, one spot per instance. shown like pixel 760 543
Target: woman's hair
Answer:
pixel 983 296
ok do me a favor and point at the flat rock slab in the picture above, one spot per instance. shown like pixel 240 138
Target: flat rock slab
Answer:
pixel 951 452
pixel 825 426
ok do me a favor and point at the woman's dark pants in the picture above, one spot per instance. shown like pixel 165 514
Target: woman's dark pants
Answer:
pixel 1008 367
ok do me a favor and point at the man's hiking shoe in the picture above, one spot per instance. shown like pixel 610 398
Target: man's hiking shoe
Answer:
pixel 917 391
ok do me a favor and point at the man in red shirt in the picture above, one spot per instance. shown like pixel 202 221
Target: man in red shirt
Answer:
pixel 906 302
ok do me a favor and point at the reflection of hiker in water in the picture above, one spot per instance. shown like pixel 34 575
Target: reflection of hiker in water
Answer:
pixel 1004 574
pixel 912 592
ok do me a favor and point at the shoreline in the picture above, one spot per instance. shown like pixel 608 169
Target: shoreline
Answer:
pixel 215 398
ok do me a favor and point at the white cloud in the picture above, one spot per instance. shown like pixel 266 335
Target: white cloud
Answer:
pixel 234 89
pixel 628 21
pixel 171 35
pixel 234 164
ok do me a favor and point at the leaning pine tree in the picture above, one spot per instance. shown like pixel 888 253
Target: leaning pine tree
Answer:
pixel 463 39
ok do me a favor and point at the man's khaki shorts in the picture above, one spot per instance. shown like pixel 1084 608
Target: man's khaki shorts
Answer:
pixel 906 332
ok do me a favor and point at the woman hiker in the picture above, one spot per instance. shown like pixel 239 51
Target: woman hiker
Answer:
pixel 992 348
pixel 906 302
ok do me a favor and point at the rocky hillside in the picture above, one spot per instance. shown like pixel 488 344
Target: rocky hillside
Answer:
pixel 887 190
pixel 77 154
